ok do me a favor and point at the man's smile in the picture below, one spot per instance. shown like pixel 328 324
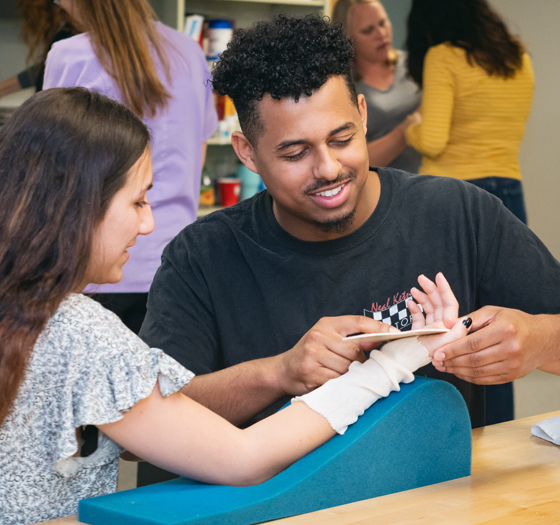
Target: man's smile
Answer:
pixel 333 196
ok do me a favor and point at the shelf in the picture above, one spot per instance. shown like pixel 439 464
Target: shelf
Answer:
pixel 245 12
pixel 312 3
pixel 219 141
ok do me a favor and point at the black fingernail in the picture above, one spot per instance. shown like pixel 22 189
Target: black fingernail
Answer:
pixel 467 322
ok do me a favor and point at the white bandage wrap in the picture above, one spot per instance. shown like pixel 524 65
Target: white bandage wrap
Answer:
pixel 342 400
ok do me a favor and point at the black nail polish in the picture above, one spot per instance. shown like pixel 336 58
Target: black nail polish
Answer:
pixel 467 322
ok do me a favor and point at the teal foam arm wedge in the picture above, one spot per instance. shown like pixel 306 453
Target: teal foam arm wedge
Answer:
pixel 415 437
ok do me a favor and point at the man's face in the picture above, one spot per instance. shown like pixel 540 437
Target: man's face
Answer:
pixel 313 160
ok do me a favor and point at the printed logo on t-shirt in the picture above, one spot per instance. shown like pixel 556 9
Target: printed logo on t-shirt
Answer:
pixel 395 314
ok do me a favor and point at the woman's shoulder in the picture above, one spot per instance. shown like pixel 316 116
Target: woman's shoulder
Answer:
pixel 72 62
pixel 84 322
pixel 76 45
pixel 82 309
pixel 446 49
pixel 446 54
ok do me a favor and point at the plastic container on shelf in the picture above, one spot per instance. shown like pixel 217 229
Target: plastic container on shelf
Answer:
pixel 219 33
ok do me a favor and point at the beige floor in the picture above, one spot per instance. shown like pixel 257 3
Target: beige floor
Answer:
pixel 536 393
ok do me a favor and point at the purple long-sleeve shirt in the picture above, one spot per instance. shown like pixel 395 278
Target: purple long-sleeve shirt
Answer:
pixel 178 133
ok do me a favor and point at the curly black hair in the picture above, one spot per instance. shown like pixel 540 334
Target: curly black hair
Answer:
pixel 286 58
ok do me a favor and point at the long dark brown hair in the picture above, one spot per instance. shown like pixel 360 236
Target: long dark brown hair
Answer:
pixel 468 24
pixel 41 21
pixel 63 155
pixel 123 35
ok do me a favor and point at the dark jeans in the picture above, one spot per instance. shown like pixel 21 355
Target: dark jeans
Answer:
pixel 509 191
pixel 499 398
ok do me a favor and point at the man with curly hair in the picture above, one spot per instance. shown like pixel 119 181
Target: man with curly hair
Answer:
pixel 241 296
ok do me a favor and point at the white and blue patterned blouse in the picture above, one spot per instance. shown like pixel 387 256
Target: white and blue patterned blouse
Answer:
pixel 87 368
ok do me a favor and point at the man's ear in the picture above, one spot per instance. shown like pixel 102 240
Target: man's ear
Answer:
pixel 244 150
pixel 362 107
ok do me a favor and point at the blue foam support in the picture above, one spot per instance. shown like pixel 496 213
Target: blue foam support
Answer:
pixel 415 437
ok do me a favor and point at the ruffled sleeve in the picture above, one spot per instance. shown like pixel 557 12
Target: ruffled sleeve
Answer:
pixel 109 369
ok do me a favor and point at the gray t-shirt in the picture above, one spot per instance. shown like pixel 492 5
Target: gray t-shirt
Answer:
pixel 86 368
pixel 387 109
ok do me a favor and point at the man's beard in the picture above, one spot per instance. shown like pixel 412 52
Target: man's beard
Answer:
pixel 340 224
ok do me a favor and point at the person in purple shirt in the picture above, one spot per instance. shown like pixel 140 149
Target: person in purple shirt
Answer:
pixel 161 75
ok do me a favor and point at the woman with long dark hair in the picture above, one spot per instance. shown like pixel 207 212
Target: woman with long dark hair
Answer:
pixel 161 75
pixel 380 76
pixel 478 86
pixel 76 386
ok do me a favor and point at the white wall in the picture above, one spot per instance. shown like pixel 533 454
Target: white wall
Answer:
pixel 536 22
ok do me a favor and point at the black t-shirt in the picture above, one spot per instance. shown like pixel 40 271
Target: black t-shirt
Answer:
pixel 235 286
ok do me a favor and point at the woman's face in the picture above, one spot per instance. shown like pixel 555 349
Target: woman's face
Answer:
pixel 128 216
pixel 371 32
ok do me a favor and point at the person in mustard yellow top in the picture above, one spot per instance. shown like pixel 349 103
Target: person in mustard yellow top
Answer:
pixel 478 86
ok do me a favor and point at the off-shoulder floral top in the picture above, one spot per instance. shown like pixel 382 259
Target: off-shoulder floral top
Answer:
pixel 87 368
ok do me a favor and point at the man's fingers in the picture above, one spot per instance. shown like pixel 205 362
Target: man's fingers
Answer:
pixel 433 342
pixel 335 363
pixel 483 316
pixel 325 374
pixel 484 374
pixel 346 325
pixel 474 343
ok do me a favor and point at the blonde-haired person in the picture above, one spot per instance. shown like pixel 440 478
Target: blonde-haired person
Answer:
pixel 161 75
pixel 380 76
pixel 43 24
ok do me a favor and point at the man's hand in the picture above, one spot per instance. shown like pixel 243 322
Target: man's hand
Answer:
pixel 321 354
pixel 503 345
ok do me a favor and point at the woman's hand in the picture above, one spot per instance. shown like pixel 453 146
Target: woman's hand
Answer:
pixel 437 301
pixel 413 119
pixel 441 309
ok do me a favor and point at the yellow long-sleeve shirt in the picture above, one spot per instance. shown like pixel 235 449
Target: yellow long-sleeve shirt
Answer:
pixel 472 123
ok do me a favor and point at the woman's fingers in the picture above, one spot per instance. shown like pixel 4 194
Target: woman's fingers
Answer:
pixel 437 300
pixel 424 301
pixel 418 320
pixel 434 296
pixel 450 303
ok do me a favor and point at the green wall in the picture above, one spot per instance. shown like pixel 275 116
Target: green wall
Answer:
pixel 398 12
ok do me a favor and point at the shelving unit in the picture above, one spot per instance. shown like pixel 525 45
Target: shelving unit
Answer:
pixel 221 159
pixel 244 12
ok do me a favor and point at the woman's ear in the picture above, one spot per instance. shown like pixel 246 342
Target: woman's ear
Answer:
pixel 244 150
